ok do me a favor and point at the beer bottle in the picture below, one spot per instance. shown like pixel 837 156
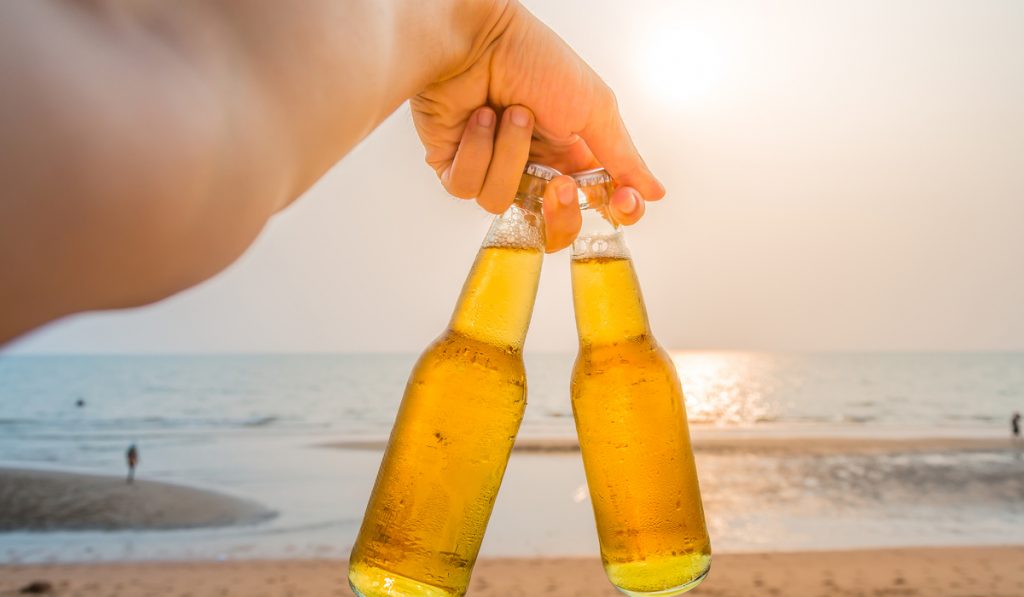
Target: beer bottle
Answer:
pixel 630 418
pixel 458 420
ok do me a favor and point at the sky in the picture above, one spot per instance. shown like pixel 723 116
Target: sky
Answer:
pixel 842 176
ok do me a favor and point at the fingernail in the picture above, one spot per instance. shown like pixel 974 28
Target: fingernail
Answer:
pixel 567 194
pixel 485 118
pixel 520 117
pixel 633 204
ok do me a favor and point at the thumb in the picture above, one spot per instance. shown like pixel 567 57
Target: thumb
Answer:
pixel 607 137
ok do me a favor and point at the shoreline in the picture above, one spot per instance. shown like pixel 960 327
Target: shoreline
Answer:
pixel 991 571
pixel 739 442
pixel 761 493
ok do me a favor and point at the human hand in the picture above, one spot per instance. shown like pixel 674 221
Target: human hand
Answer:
pixel 522 94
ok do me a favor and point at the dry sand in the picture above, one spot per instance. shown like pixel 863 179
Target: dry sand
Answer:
pixel 978 571
pixel 48 500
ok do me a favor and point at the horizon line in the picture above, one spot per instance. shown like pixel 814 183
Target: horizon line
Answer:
pixel 217 353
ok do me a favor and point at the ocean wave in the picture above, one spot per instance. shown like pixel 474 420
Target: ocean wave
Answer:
pixel 859 419
pixel 150 424
pixel 261 421
pixel 12 422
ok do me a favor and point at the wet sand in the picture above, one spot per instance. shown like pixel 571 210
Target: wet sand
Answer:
pixel 988 571
pixel 35 500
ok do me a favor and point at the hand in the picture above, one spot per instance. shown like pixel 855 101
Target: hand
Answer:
pixel 525 95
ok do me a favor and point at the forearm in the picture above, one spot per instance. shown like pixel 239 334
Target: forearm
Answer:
pixel 146 145
pixel 338 68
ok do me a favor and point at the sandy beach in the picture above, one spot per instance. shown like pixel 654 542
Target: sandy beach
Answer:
pixel 761 494
pixel 987 571
pixel 909 506
pixel 36 500
pixel 45 500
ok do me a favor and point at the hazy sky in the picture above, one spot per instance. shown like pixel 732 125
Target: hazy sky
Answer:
pixel 841 176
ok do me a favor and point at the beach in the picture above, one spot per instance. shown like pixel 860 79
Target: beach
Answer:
pixel 762 492
pixel 764 497
pixel 822 475
pixel 988 571
pixel 33 500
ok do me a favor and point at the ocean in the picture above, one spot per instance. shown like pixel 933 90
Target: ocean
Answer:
pixel 258 427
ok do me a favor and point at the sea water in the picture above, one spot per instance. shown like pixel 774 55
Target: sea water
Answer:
pixel 256 426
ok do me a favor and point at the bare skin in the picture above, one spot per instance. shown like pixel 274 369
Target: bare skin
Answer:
pixel 144 144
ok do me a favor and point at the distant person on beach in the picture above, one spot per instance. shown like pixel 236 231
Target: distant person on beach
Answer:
pixel 146 144
pixel 132 456
pixel 1015 425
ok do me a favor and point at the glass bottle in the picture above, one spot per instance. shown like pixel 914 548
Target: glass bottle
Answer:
pixel 458 420
pixel 631 418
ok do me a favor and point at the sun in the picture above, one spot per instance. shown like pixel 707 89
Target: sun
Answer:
pixel 680 64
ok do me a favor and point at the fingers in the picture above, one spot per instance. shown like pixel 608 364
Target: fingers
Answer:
pixel 562 219
pixel 465 176
pixel 606 135
pixel 627 205
pixel 511 151
pixel 486 166
pixel 491 157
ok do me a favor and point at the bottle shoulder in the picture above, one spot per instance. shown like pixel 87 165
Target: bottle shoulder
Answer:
pixel 457 369
pixel 454 348
pixel 642 350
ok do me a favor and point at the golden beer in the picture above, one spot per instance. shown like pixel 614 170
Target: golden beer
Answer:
pixel 458 420
pixel 631 420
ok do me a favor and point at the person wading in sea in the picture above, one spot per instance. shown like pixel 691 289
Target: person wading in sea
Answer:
pixel 132 456
pixel 1015 425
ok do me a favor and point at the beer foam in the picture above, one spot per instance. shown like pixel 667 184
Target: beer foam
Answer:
pixel 516 229
pixel 595 246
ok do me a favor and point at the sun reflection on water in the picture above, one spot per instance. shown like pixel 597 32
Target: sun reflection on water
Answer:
pixel 721 390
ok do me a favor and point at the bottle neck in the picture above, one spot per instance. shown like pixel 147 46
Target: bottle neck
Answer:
pixel 606 293
pixel 497 299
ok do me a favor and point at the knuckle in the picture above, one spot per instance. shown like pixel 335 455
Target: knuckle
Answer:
pixel 438 159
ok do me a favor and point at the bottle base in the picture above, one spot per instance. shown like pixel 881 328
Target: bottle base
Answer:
pixel 370 581
pixel 667 592
pixel 621 573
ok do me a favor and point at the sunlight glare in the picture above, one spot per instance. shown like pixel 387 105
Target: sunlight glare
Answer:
pixel 719 389
pixel 680 64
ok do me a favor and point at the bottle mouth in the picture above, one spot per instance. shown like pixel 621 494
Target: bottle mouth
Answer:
pixel 534 181
pixel 595 188
pixel 592 177
pixel 541 171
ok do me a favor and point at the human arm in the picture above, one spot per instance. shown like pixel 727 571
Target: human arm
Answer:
pixel 145 144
